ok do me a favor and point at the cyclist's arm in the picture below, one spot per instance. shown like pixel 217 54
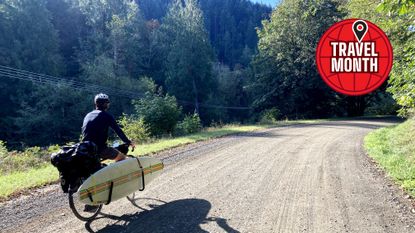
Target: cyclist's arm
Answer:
pixel 118 130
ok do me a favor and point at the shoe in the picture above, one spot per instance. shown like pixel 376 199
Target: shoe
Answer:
pixel 90 208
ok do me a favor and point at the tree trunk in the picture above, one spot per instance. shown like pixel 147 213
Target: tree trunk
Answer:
pixel 196 98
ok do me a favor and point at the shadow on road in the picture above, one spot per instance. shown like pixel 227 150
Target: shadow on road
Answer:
pixel 177 216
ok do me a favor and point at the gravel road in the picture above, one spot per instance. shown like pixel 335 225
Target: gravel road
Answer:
pixel 300 178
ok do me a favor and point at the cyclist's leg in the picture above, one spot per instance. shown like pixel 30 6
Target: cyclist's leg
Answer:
pixel 112 153
pixel 120 157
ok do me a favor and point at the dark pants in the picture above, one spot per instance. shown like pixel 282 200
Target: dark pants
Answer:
pixel 109 153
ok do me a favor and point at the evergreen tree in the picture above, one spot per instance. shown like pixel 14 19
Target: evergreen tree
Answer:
pixel 112 52
pixel 230 23
pixel 188 66
pixel 69 23
pixel 25 45
pixel 113 26
pixel 286 76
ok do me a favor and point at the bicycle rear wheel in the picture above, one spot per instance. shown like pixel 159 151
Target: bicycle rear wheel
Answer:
pixel 81 211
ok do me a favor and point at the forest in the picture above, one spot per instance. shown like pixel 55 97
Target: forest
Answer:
pixel 168 64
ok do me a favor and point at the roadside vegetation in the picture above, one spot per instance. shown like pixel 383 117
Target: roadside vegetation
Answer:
pixel 21 170
pixel 164 92
pixel 393 148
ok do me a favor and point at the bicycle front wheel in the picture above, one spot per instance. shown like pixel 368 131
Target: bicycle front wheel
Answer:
pixel 81 211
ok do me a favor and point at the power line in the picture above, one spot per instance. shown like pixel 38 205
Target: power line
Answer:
pixel 55 81
pixel 36 78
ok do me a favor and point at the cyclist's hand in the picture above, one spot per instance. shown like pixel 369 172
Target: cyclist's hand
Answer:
pixel 132 144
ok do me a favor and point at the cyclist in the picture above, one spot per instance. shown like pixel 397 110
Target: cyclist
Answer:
pixel 95 129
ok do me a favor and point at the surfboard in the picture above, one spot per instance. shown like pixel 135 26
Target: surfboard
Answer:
pixel 119 179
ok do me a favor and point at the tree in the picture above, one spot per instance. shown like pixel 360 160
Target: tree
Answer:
pixel 402 79
pixel 231 25
pixel 188 66
pixel 286 76
pixel 69 23
pixel 161 113
pixel 396 19
pixel 114 31
pixel 25 45
pixel 234 20
pixel 230 92
pixel 51 117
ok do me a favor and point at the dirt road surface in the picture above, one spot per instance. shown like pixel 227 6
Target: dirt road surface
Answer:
pixel 300 178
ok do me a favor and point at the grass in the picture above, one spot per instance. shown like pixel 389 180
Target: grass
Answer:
pixel 393 148
pixel 20 181
pixel 15 182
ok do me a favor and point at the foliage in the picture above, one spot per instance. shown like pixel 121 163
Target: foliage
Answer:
pixel 67 21
pixel 270 116
pixel 135 129
pixel 190 124
pixel 231 25
pixel 3 150
pixel 285 75
pixel 403 80
pixel 381 104
pixel 37 52
pixel 188 54
pixel 160 113
pixel 21 161
pixel 53 118
pixel 24 45
pixel 396 19
pixel 403 83
pixel 230 92
pixel 115 43
pixel 399 6
pixel 32 157
pixel 394 149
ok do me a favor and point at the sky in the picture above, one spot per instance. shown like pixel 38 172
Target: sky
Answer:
pixel 268 2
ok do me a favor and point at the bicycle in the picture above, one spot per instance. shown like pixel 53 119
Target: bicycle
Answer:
pixel 85 212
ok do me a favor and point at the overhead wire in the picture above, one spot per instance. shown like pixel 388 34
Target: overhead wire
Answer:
pixel 36 78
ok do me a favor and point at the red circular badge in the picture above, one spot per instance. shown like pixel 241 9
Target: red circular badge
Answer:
pixel 354 57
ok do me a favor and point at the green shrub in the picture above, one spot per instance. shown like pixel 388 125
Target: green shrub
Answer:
pixel 381 104
pixel 135 129
pixel 3 150
pixel 270 116
pixel 32 157
pixel 190 124
pixel 53 148
pixel 217 124
pixel 21 161
pixel 160 113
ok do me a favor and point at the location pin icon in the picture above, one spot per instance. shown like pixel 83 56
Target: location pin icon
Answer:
pixel 359 29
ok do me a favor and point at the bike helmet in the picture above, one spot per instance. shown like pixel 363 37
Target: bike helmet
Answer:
pixel 101 99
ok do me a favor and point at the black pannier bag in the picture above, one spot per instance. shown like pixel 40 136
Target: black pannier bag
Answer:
pixel 74 163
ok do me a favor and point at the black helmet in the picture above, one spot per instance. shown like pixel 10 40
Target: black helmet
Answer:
pixel 101 99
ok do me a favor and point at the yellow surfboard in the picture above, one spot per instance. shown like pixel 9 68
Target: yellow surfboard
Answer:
pixel 119 179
